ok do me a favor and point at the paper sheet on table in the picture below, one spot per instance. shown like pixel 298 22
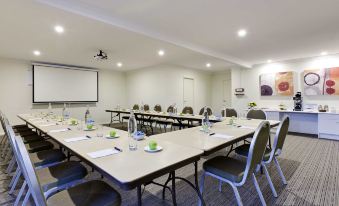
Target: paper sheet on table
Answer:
pixel 47 125
pixel 224 136
pixel 58 130
pixel 248 127
pixel 75 139
pixel 102 153
pixel 35 119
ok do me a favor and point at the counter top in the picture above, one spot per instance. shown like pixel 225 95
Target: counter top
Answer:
pixel 306 111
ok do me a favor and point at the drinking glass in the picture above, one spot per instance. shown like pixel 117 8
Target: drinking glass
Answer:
pixel 80 125
pixel 132 145
pixel 100 132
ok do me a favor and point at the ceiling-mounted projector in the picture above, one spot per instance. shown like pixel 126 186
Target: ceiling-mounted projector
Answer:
pixel 101 56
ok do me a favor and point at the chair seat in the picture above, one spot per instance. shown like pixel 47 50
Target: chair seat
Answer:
pixel 22 129
pixel 60 174
pixel 27 133
pixel 91 193
pixel 243 151
pixel 225 167
pixel 39 146
pixel 32 138
pixel 19 126
pixel 47 157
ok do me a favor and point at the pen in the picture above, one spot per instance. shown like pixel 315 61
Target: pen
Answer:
pixel 211 134
pixel 88 137
pixel 120 150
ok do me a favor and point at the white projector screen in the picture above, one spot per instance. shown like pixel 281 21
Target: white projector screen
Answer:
pixel 59 84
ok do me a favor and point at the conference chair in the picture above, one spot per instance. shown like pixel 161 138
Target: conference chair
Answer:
pixel 271 154
pixel 209 111
pixel 157 108
pixel 135 107
pixel 187 110
pixel 92 192
pixel 236 172
pixel 229 113
pixel 256 114
pixel 53 178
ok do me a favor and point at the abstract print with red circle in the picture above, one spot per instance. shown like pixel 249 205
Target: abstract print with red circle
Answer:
pixel 280 83
pixel 321 81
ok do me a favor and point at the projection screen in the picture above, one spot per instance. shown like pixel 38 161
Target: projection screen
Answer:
pixel 64 84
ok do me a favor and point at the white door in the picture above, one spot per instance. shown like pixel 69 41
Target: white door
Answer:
pixel 188 92
pixel 227 96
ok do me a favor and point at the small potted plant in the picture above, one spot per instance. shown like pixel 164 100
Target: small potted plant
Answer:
pixel 251 105
pixel 282 106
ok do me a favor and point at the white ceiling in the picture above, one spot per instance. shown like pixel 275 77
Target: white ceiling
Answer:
pixel 192 32
pixel 28 25
pixel 277 29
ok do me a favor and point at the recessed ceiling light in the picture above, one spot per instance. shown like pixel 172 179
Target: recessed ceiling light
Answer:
pixel 269 61
pixel 59 29
pixel 242 33
pixel 323 53
pixel 161 52
pixel 36 53
pixel 119 64
pixel 208 65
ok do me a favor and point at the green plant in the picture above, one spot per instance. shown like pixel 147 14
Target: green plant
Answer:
pixel 252 104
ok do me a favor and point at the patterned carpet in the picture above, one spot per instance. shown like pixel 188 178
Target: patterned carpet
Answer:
pixel 310 165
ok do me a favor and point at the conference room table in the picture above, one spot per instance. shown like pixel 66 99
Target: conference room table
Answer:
pixel 128 169
pixel 180 148
pixel 149 115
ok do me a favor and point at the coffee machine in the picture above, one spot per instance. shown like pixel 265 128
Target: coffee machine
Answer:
pixel 298 102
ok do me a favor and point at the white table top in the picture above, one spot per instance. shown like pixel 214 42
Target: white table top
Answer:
pixel 193 137
pixel 128 168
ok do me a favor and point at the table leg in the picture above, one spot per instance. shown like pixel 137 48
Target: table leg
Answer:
pixel 174 198
pixel 197 183
pixel 139 195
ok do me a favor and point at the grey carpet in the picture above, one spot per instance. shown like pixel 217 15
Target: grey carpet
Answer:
pixel 310 165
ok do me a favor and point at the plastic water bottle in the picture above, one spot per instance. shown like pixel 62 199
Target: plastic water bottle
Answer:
pixel 132 130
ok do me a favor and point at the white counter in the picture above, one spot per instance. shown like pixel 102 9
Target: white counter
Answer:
pixel 322 124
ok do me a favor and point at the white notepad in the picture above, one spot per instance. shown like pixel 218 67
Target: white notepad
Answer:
pixel 47 125
pixel 224 136
pixel 35 119
pixel 102 153
pixel 58 130
pixel 75 139
pixel 248 127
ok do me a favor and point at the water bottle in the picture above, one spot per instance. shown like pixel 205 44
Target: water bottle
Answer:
pixel 132 130
pixel 87 115
pixel 63 112
pixel 205 122
pixel 50 112
pixel 175 111
pixel 67 112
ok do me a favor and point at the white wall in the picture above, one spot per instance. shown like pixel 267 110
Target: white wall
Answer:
pixel 249 79
pixel 16 93
pixel 164 85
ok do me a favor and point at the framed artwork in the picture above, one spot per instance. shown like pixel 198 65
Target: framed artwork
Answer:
pixel 321 81
pixel 280 83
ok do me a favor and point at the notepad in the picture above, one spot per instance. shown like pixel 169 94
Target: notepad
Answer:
pixel 102 153
pixel 59 130
pixel 47 125
pixel 224 136
pixel 35 119
pixel 248 127
pixel 75 139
